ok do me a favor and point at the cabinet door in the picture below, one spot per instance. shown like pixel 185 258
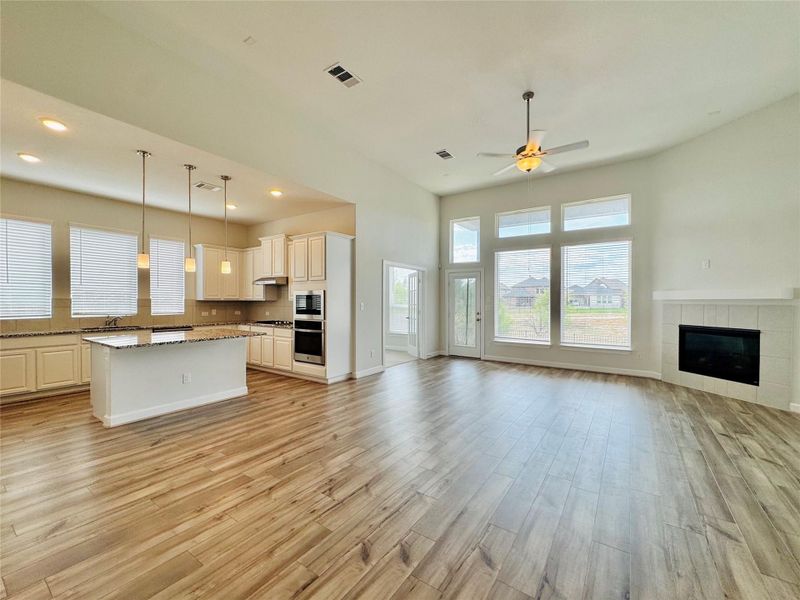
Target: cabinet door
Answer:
pixel 290 261
pixel 267 351
pixel 258 271
pixel 266 250
pixel 86 363
pixel 300 260
pixel 230 282
pixel 17 371
pixel 246 275
pixel 283 353
pixel 254 350
pixel 316 258
pixel 58 366
pixel 212 282
pixel 279 257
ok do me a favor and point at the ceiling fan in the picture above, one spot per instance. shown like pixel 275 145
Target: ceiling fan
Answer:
pixel 531 155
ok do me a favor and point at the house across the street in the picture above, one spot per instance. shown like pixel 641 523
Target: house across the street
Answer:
pixel 601 292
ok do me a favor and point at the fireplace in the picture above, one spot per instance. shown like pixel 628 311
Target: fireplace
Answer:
pixel 720 352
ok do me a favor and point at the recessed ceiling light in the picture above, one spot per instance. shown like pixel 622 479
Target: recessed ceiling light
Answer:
pixel 53 124
pixel 276 193
pixel 231 206
pixel 29 157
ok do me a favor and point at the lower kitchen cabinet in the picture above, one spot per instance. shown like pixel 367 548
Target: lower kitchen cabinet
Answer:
pixel 283 353
pixel 57 366
pixel 254 350
pixel 17 371
pixel 86 363
pixel 267 351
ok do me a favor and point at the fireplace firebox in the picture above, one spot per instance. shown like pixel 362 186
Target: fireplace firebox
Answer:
pixel 721 352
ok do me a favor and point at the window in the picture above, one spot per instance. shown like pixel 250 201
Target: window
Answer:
pixel 603 212
pixel 166 277
pixel 595 295
pixel 531 221
pixel 102 272
pixel 26 270
pixel 522 295
pixel 465 245
pixel 398 300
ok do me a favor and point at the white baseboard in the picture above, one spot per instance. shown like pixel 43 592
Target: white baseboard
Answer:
pixel 435 353
pixel 164 409
pixel 397 348
pixel 576 367
pixel 794 407
pixel 367 372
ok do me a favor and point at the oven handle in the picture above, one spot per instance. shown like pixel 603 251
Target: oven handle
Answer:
pixel 309 330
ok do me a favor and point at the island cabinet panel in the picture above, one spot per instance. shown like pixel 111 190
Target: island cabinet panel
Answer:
pixel 282 358
pixel 17 371
pixel 316 258
pixel 300 262
pixel 86 363
pixel 58 366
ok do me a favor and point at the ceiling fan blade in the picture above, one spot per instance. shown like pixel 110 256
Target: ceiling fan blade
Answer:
pixel 545 167
pixel 495 155
pixel 504 169
pixel 566 148
pixel 535 138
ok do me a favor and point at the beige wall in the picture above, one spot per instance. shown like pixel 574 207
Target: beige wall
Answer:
pixel 122 74
pixel 341 219
pixel 62 207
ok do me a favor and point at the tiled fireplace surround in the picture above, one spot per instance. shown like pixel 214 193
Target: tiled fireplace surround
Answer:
pixel 776 322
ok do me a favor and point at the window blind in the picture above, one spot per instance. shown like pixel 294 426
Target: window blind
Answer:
pixel 26 270
pixel 603 212
pixel 465 240
pixel 595 295
pixel 167 288
pixel 523 222
pixel 103 273
pixel 522 295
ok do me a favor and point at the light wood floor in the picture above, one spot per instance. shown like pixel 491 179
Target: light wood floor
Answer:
pixel 440 478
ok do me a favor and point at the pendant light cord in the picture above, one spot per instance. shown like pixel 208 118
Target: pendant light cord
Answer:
pixel 225 179
pixel 144 158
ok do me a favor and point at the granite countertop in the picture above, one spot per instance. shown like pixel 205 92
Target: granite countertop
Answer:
pixel 142 339
pixel 124 328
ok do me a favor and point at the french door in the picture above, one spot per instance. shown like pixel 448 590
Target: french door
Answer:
pixel 413 314
pixel 464 307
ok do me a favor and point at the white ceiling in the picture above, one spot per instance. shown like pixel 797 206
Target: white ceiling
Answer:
pixel 632 77
pixel 97 155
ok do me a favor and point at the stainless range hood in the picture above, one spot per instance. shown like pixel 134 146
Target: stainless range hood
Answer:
pixel 271 281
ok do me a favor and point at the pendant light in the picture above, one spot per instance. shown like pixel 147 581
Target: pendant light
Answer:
pixel 190 265
pixel 225 265
pixel 143 258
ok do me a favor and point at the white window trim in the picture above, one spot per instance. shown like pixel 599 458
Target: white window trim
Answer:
pixel 497 216
pixel 592 201
pixel 478 248
pixel 598 347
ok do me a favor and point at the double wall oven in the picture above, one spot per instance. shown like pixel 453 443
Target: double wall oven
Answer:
pixel 309 326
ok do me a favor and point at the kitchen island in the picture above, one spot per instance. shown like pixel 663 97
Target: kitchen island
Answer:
pixel 145 374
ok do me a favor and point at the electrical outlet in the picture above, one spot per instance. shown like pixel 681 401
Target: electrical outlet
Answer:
pixel 363 306
pixel 237 312
pixel 706 263
pixel 266 313
pixel 204 313
pixel 187 378
pixel 372 353
pixel 213 311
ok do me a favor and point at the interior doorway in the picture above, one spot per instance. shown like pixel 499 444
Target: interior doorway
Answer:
pixel 402 289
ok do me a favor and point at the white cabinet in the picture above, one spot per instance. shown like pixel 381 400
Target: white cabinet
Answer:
pixel 211 282
pixel 300 259
pixel 273 251
pixel 250 267
pixel 17 371
pixel 86 363
pixel 230 281
pixel 290 259
pixel 308 258
pixel 254 350
pixel 316 258
pixel 267 351
pixel 282 355
pixel 57 366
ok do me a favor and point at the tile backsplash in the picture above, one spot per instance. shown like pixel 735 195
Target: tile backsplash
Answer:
pixel 776 323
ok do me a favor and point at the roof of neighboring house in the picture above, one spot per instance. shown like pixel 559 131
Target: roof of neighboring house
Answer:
pixel 600 285
pixel 524 287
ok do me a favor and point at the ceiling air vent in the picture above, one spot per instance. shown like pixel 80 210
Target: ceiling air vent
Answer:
pixel 345 77
pixel 202 185
pixel 444 154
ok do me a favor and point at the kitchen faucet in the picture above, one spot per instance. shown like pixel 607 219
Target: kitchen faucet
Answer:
pixel 112 321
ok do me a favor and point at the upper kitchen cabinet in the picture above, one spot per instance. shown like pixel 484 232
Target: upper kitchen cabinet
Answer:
pixel 251 268
pixel 273 251
pixel 246 265
pixel 308 257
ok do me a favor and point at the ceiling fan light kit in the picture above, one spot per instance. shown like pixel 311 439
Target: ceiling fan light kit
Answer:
pixel 529 157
